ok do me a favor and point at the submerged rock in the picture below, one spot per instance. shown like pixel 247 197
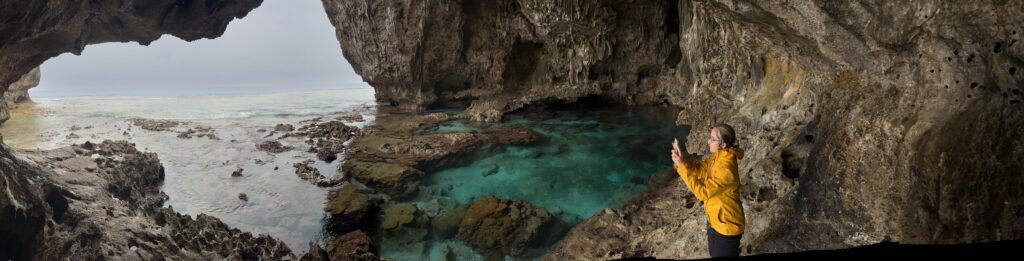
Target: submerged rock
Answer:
pixel 497 228
pixel 155 125
pixel 351 118
pixel 354 245
pixel 284 127
pixel 398 215
pixel 347 207
pixel 199 132
pixel 326 139
pixel 446 224
pixel 516 135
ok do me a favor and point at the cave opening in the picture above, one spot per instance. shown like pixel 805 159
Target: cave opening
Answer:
pixel 209 107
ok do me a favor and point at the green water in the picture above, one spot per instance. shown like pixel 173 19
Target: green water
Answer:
pixel 586 161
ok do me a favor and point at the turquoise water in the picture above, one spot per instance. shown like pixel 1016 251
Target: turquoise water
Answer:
pixel 586 161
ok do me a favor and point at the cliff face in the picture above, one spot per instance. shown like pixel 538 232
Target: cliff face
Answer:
pixel 501 55
pixel 18 92
pixel 864 121
pixel 36 30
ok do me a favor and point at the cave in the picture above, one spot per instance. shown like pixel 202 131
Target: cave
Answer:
pixel 566 89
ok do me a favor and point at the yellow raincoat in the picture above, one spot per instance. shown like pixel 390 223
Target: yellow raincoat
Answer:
pixel 716 182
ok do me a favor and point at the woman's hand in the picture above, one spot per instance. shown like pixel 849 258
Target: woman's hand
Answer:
pixel 677 157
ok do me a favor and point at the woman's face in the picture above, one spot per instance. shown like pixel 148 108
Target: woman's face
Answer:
pixel 714 142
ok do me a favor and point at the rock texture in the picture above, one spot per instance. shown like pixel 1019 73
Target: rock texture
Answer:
pixel 35 30
pixel 496 228
pixel 17 92
pixel 103 201
pixel 864 121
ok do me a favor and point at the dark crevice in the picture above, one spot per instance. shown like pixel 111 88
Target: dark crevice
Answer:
pixel 521 64
pixel 672 17
pixel 794 155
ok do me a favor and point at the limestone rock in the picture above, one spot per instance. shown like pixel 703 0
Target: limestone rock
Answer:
pixel 17 92
pixel 497 228
pixel 347 208
pixel 104 201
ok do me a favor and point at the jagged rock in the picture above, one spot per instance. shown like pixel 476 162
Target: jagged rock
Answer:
pixel 237 172
pixel 497 228
pixel 112 212
pixel 351 118
pixel 326 139
pixel 272 146
pixel 354 245
pixel 284 127
pixel 309 173
pixel 199 132
pixel 155 125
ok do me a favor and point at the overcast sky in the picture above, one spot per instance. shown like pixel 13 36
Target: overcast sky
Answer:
pixel 281 45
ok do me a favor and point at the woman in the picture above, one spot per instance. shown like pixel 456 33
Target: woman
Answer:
pixel 716 182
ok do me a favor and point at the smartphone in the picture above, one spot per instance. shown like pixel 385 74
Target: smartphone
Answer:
pixel 675 145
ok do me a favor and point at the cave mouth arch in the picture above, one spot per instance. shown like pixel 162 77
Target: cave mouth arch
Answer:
pixel 201 93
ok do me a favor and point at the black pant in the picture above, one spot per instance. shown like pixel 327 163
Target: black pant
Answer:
pixel 723 246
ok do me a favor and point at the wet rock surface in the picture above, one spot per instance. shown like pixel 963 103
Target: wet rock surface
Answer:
pixel 347 208
pixel 272 146
pixel 155 125
pixel 307 172
pixel 497 228
pixel 394 152
pixel 326 139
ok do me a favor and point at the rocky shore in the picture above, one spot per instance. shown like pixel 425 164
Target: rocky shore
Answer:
pixel 103 201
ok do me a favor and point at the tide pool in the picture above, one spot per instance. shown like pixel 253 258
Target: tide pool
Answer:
pixel 587 160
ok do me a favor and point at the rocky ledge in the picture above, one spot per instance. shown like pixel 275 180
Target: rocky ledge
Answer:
pixel 394 153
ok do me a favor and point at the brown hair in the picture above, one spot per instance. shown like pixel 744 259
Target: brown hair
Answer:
pixel 727 135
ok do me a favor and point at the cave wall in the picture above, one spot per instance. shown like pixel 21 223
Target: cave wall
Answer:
pixel 498 56
pixel 17 92
pixel 864 121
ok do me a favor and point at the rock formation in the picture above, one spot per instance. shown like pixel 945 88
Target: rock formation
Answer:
pixel 103 201
pixel 864 121
pixel 17 92
pixel 496 228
